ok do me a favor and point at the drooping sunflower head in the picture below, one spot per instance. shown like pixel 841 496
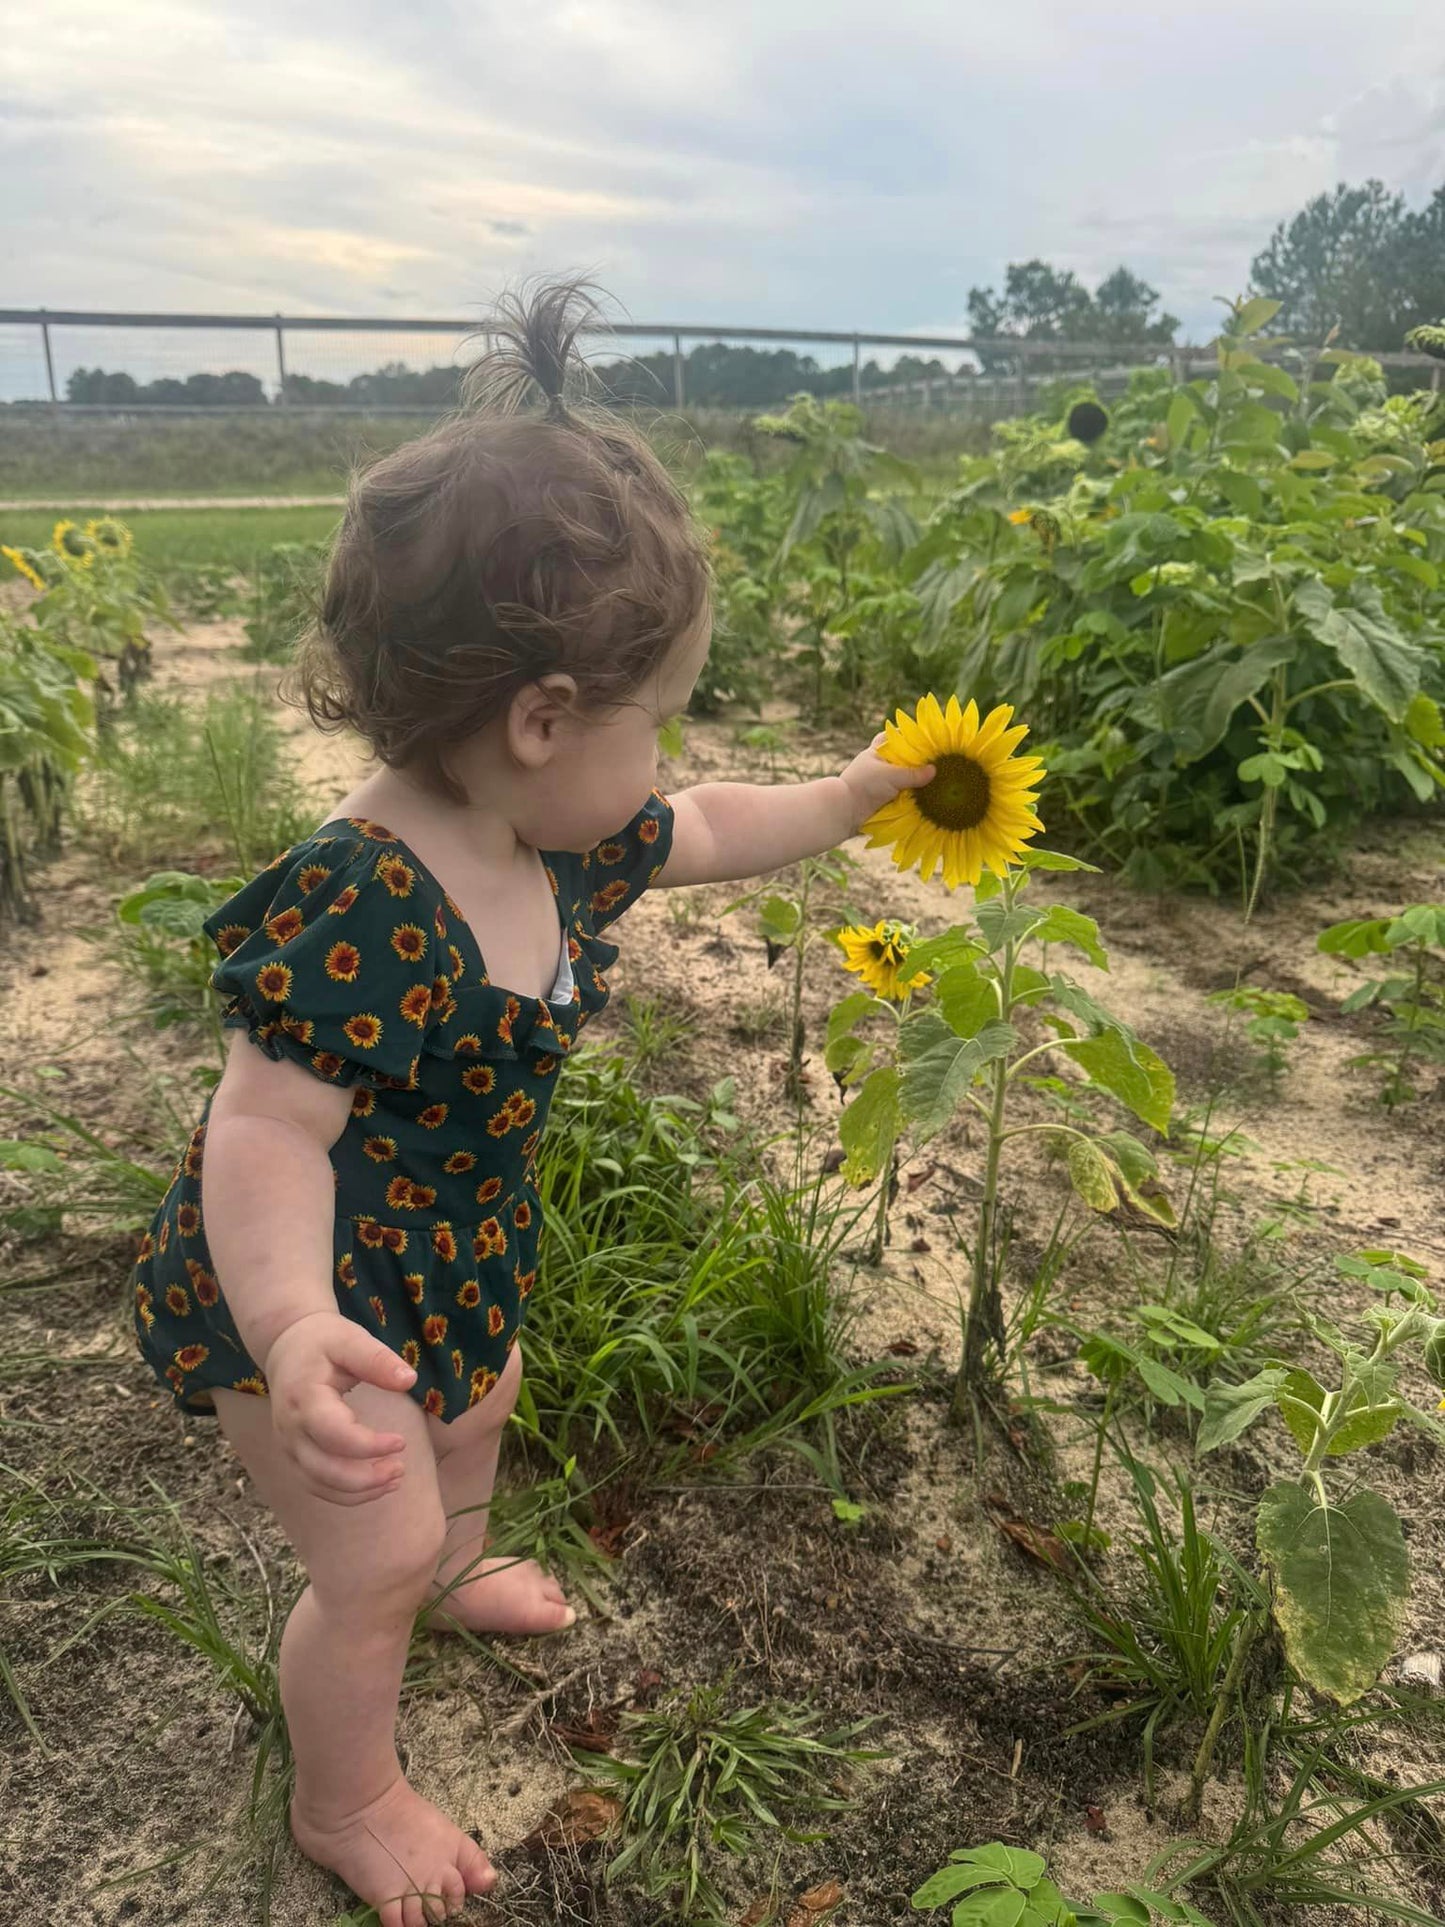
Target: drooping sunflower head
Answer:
pixel 69 540
pixel 976 812
pixel 37 568
pixel 1087 422
pixel 107 533
pixel 879 955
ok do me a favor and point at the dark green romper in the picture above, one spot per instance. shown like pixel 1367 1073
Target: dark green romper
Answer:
pixel 348 957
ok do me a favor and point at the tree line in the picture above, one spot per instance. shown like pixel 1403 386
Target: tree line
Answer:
pixel 1358 260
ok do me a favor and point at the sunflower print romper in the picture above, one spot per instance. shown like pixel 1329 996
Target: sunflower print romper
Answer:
pixel 348 957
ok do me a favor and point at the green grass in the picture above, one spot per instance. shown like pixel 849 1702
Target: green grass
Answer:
pixel 172 538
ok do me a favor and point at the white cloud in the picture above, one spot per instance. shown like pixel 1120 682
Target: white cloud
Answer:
pixel 791 163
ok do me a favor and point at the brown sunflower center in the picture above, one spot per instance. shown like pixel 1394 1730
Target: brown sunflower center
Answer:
pixel 958 796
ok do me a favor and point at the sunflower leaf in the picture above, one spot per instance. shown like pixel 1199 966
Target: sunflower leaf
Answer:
pixel 1063 925
pixel 1341 1577
pixel 1129 1071
pixel 967 999
pixel 940 1066
pixel 870 1125
pixel 1092 1175
pixel 1033 859
pixel 1000 925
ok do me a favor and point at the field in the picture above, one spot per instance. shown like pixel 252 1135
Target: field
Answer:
pixel 1020 1589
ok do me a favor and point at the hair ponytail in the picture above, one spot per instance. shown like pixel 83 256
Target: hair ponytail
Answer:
pixel 533 334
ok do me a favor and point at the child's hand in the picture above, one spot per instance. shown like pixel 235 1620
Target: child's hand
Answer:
pixel 308 1368
pixel 871 782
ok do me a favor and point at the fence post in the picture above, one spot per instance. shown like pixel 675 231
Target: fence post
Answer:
pixel 857 376
pixel 280 364
pixel 49 359
pixel 678 389
pixel 1435 379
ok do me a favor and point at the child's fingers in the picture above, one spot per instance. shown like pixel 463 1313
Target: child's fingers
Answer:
pixel 334 1427
pixel 914 779
pixel 345 1481
pixel 366 1359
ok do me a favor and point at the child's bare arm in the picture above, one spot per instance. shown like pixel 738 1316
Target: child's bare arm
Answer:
pixel 269 1199
pixel 726 831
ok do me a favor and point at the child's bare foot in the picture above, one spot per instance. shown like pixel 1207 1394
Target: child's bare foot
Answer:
pixel 398 1854
pixel 510 1596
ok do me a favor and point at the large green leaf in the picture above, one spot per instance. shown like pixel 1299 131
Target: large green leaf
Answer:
pixel 966 998
pixel 939 1066
pixel 1063 925
pixel 1129 1071
pixel 1231 1409
pixel 1382 660
pixel 1341 1579
pixel 870 1125
pixel 1196 701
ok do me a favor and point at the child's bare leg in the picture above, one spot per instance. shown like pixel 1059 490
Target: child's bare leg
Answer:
pixel 342 1656
pixel 510 1596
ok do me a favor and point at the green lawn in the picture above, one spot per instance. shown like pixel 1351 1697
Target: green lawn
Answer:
pixel 170 537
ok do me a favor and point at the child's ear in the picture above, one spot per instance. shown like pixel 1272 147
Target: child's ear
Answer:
pixel 535 716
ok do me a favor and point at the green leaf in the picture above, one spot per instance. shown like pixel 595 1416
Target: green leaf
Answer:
pixel 1197 700
pixel 991 1907
pixel 1017 1864
pixel 1423 722
pixel 1130 1071
pixel 1232 1409
pixel 1241 491
pixel 940 1066
pixel 1000 925
pixel 1355 937
pixel 937 954
pixel 1256 313
pixel 843 1016
pixel 1062 925
pixel 1182 416
pixel 1299 1396
pixel 967 999
pixel 870 1125
pixel 1313 458
pixel 1123 1907
pixel 1384 663
pixel 779 919
pixel 1341 1577
pixel 1033 859
pixel 949 1882
pixel 1091 1175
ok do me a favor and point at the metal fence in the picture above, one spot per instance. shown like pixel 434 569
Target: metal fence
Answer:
pixel 42 351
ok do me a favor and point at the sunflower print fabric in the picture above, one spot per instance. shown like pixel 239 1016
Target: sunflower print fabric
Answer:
pixel 348 957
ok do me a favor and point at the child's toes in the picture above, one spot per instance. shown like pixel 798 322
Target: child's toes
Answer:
pixel 475 1868
pixel 453 1890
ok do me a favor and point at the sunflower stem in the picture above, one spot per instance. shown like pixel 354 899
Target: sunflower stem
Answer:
pixel 985 1306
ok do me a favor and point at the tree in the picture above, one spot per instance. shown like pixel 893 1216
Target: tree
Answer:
pixel 1043 303
pixel 1340 262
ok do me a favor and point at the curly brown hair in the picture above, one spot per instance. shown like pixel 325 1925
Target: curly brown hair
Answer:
pixel 503 546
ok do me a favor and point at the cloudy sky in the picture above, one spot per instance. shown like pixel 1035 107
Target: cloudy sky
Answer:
pixel 826 163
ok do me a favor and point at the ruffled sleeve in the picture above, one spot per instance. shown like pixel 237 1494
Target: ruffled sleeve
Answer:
pixel 330 958
pixel 621 867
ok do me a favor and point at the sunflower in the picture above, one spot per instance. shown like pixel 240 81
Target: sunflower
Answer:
pixel 19 560
pixel 434 1405
pixel 977 811
pixel 469 1293
pixel 107 533
pixel 482 1383
pixel 878 955
pixel 67 539
pixel 489 1241
pixel 434 1328
pixel 408 940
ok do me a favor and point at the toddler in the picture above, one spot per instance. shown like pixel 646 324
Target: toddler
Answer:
pixel 515 605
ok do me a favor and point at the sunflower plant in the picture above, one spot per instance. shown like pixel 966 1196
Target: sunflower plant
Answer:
pixel 94 595
pixel 46 732
pixel 978 1010
pixel 1335 1551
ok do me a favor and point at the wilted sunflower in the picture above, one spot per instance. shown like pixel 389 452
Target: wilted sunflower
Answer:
pixel 24 562
pixel 1087 422
pixel 107 533
pixel 69 540
pixel 977 811
pixel 879 956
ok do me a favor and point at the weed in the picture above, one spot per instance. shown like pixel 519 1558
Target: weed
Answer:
pixel 169 774
pixel 994 1885
pixel 700 1780
pixel 1413 997
pixel 653 1032
pixel 1275 1020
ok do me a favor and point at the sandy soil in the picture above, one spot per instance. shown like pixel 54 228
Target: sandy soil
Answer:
pixel 926 1616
